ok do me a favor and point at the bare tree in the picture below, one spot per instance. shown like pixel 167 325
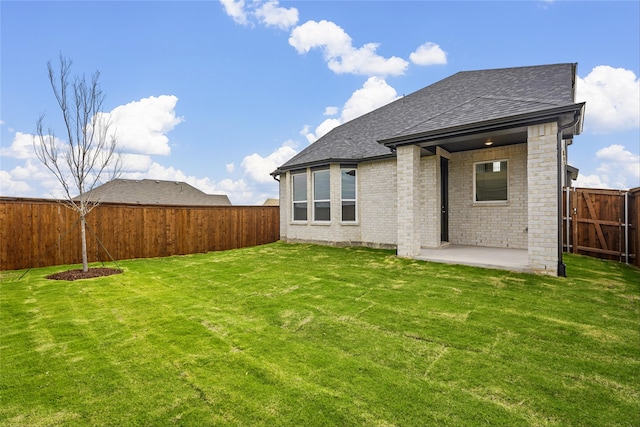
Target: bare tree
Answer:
pixel 90 152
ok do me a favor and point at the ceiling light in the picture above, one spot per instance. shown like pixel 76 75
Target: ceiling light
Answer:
pixel 488 142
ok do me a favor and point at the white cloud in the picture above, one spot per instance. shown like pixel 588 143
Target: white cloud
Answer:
pixel 339 52
pixel 31 179
pixel 590 181
pixel 235 9
pixel 230 167
pixel 136 162
pixel 428 54
pixel 21 147
pixel 331 111
pixel 11 185
pixel 269 13
pixel 32 170
pixel 613 99
pixel 323 128
pixel 259 168
pixel 617 168
pixel 374 93
pixel 141 126
pixel 273 15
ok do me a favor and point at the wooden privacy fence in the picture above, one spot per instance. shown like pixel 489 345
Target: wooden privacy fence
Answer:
pixel 38 232
pixel 602 223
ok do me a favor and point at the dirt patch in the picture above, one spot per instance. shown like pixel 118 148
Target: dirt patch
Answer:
pixel 79 274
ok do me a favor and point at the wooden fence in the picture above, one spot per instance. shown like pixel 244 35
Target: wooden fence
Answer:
pixel 39 232
pixel 603 223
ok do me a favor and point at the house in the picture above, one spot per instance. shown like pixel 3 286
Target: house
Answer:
pixel 154 192
pixel 476 159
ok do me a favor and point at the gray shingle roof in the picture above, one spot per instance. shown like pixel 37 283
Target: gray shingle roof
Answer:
pixel 154 192
pixel 463 99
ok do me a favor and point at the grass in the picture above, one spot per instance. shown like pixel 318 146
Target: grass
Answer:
pixel 310 335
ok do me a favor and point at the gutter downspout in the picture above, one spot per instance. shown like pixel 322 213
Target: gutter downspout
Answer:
pixel 562 267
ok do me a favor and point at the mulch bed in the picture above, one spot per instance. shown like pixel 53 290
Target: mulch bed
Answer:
pixel 79 274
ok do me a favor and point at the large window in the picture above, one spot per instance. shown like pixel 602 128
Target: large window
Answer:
pixel 348 194
pixel 299 196
pixel 321 196
pixel 491 181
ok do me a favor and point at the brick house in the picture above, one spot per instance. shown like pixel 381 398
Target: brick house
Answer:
pixel 476 159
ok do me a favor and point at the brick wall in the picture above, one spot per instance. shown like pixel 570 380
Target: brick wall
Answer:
pixel 502 225
pixel 408 178
pixel 378 203
pixel 285 204
pixel 542 183
pixel 376 209
pixel 430 202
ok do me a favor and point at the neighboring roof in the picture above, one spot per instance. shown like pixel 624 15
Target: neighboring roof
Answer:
pixel 271 202
pixel 154 192
pixel 462 101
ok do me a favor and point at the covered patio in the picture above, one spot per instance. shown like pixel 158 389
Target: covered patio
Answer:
pixel 478 256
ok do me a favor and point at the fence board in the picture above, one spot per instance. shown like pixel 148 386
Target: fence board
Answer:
pixel 597 224
pixel 40 232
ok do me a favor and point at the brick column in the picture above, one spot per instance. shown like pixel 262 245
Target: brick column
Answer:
pixel 408 197
pixel 285 203
pixel 430 213
pixel 542 186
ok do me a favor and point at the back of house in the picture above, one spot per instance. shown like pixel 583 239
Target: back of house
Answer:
pixel 477 159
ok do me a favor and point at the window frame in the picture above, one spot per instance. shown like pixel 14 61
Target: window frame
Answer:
pixel 295 202
pixel 343 199
pixel 315 200
pixel 475 183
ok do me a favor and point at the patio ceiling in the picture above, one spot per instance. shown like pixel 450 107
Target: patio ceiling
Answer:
pixel 478 141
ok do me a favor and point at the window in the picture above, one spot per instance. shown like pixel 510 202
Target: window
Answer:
pixel 321 196
pixel 299 196
pixel 348 194
pixel 491 181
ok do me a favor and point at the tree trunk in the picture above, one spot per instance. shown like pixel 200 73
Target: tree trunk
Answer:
pixel 83 234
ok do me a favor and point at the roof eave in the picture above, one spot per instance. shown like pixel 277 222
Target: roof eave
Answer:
pixel 326 162
pixel 528 119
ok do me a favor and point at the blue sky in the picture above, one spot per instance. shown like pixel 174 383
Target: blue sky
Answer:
pixel 218 94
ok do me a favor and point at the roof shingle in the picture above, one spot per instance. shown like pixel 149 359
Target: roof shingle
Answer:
pixel 464 98
pixel 154 192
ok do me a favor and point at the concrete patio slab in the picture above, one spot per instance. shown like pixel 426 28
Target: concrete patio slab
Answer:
pixel 478 256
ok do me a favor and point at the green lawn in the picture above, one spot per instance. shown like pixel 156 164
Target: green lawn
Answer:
pixel 306 335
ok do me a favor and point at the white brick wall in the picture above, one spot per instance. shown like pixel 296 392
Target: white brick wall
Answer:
pixel 285 204
pixel 542 176
pixel 408 178
pixel 377 219
pixel 430 202
pixel 502 225
pixel 377 203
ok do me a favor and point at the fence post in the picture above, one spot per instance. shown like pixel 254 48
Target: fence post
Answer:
pixel 568 215
pixel 574 228
pixel 626 227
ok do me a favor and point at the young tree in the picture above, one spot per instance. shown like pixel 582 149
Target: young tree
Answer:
pixel 90 153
